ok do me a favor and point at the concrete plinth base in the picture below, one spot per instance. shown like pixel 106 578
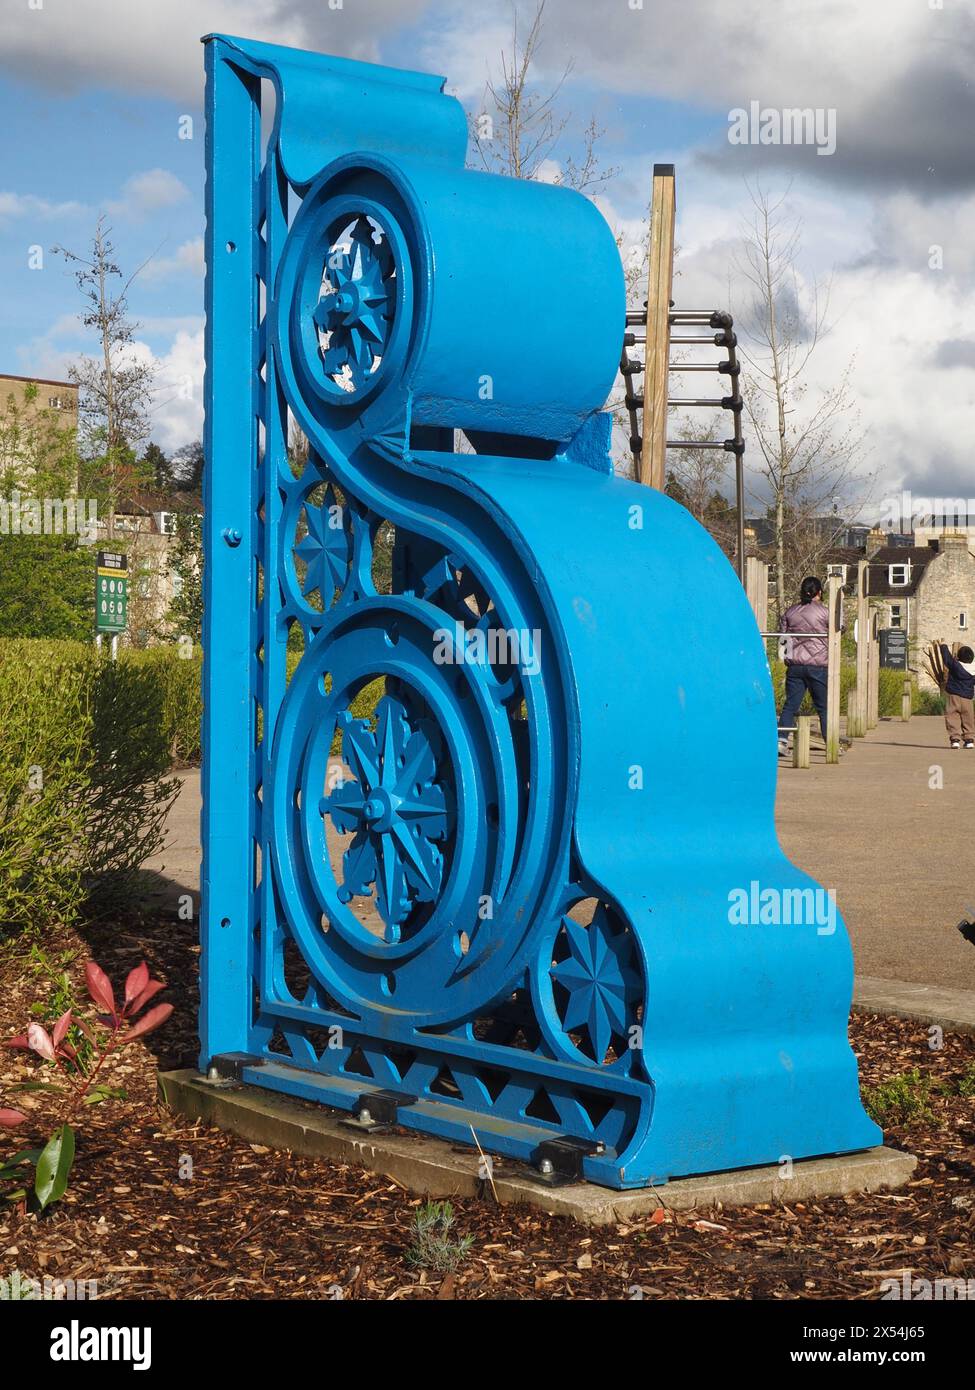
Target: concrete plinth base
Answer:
pixel 439 1169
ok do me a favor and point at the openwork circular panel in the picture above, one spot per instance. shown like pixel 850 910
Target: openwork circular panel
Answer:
pixel 392 811
pixel 355 312
pixel 324 553
pixel 597 983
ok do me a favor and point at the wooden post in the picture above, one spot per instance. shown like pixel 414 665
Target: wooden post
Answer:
pixel 756 587
pixel 800 744
pixel 656 377
pixel 856 707
pixel 873 696
pixel 835 602
pixel 907 700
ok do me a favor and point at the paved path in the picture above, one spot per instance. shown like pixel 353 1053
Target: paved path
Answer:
pixel 897 850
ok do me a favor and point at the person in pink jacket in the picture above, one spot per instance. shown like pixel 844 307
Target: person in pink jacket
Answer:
pixel 806 657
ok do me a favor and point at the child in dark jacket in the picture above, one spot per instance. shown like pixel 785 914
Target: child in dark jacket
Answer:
pixel 959 692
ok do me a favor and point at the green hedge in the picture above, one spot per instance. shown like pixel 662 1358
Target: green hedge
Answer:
pixel 180 694
pixel 180 684
pixel 890 689
pixel 83 785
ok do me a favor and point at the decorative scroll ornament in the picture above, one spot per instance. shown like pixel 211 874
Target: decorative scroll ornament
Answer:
pixel 466 840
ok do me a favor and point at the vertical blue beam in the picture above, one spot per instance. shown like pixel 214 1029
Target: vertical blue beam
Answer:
pixel 229 499
pixel 276 475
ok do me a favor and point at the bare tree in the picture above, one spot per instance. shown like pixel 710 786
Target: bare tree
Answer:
pixel 697 478
pixel 115 388
pixel 807 438
pixel 521 127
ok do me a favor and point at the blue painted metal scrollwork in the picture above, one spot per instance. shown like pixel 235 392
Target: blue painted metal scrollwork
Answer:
pixel 473 841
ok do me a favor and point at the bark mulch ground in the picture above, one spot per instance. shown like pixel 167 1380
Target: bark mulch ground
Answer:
pixel 161 1209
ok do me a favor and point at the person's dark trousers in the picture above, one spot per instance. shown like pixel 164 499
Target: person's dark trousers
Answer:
pixel 799 679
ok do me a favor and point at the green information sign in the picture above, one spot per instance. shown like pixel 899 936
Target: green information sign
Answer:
pixel 111 592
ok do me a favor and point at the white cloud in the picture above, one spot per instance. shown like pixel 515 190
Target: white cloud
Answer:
pixel 911 230
pixel 27 205
pixel 466 49
pixel 187 259
pixel 549 171
pixel 890 317
pixel 50 353
pixel 177 416
pixel 177 413
pixel 148 192
pixel 154 47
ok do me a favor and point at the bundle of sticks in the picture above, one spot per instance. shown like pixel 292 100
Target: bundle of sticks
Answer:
pixel 934 662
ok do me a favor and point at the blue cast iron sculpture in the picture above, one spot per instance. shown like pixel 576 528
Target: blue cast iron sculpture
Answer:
pixel 500 853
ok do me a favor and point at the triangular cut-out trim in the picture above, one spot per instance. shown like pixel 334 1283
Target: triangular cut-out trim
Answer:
pixel 443 1084
pixel 356 1062
pixel 401 1062
pixel 596 1106
pixel 541 1108
pixel 493 1080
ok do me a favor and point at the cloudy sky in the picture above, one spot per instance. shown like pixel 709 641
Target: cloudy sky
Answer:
pixel 93 92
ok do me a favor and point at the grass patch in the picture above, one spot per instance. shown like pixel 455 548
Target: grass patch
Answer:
pixel 966 1086
pixel 432 1246
pixel 903 1100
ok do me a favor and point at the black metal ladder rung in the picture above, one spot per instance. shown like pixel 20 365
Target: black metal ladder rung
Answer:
pixel 723 336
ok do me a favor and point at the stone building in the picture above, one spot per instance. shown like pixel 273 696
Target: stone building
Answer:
pixel 924 588
pixel 928 590
pixel 143 526
pixel 51 395
pixel 30 400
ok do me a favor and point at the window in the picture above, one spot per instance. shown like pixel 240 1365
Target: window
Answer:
pixel 896 615
pixel 54 403
pixel 177 585
pixel 899 575
pixel 962 619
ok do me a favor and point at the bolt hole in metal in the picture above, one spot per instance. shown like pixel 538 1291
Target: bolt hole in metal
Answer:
pixel 225 922
pixel 231 247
